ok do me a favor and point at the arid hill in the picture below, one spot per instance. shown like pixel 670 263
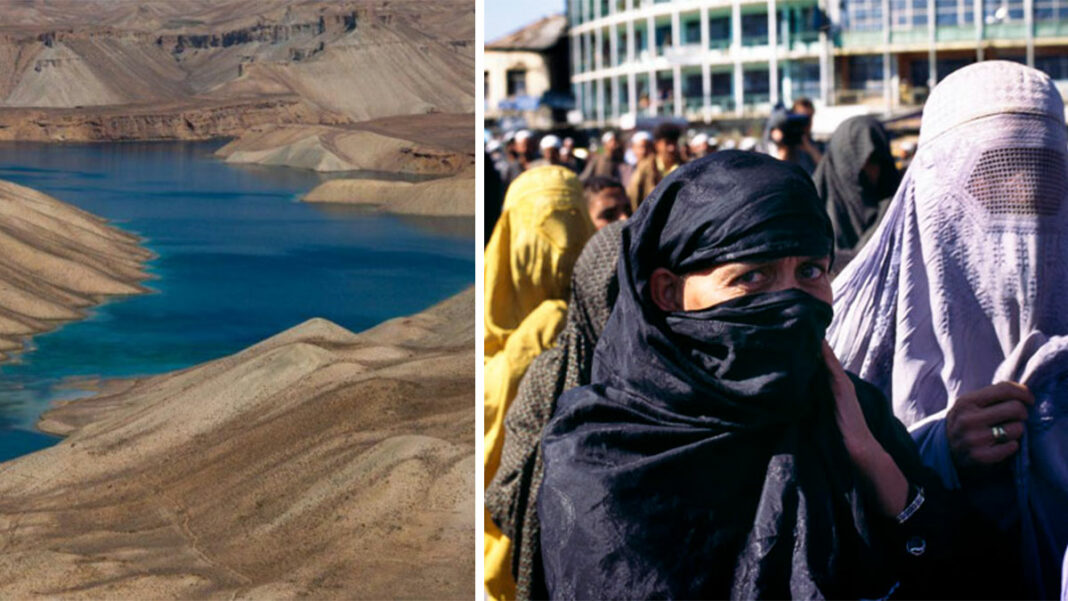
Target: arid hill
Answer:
pixel 55 262
pixel 447 197
pixel 318 463
pixel 328 149
pixel 117 69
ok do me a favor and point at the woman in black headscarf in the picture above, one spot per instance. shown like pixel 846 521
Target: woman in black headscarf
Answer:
pixel 720 449
pixel 856 179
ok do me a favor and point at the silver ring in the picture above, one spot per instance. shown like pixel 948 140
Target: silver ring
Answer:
pixel 1000 435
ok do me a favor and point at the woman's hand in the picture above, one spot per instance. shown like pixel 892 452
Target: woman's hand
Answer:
pixel 971 422
pixel 874 464
pixel 855 433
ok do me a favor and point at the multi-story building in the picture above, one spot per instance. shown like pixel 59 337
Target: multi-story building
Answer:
pixel 700 59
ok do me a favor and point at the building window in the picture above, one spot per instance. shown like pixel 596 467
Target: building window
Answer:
pixel 694 86
pixel 722 83
pixel 1002 11
pixel 919 13
pixel 806 79
pixel 755 83
pixel 692 32
pixel 899 14
pixel 517 82
pixel 947 13
pixel 665 87
pixel 663 37
pixel 920 69
pixel 803 22
pixel 719 32
pixel 866 72
pixel 1046 10
pixel 862 15
pixel 1054 66
pixel 755 29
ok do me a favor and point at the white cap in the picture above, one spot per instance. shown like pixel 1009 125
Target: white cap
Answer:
pixel 713 141
pixel 747 143
pixel 549 141
pixel 493 146
pixel 698 139
pixel 608 137
pixel 641 136
pixel 523 134
pixel 729 144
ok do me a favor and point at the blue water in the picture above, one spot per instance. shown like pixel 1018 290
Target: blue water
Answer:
pixel 239 260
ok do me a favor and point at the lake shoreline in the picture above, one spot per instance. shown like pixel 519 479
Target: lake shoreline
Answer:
pixel 461 229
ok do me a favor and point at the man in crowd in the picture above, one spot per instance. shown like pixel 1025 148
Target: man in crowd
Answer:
pixel 652 169
pixel 786 139
pixel 609 162
pixel 568 158
pixel 606 200
pixel 639 147
pixel 699 146
pixel 550 152
pixel 803 106
pixel 524 148
pixel 507 162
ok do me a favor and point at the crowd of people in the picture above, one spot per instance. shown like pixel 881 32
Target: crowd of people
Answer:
pixel 796 373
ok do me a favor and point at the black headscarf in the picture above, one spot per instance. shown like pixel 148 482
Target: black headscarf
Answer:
pixel 704 460
pixel 854 204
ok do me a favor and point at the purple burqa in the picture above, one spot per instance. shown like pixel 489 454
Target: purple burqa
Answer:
pixel 965 283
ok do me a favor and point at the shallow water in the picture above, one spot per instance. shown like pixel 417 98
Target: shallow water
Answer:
pixel 239 260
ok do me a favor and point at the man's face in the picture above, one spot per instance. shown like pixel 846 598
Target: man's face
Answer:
pixel 552 155
pixel 613 148
pixel 608 206
pixel 667 150
pixel 808 112
pixel 567 148
pixel 642 149
pixel 522 147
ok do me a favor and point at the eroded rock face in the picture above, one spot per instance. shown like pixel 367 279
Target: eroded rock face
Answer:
pixel 318 463
pixel 337 61
pixel 183 122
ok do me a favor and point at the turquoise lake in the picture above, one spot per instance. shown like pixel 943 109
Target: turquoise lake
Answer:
pixel 239 260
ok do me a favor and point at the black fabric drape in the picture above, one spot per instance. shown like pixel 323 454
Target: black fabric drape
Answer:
pixel 704 460
pixel 854 204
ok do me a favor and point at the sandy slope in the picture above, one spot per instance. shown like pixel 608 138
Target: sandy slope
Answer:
pixel 317 463
pixel 56 261
pixel 344 149
pixel 450 197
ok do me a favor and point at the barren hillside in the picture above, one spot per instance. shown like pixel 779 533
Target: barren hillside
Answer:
pixel 121 69
pixel 318 463
pixel 55 262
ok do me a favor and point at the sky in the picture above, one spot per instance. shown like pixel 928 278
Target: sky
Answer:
pixel 506 16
